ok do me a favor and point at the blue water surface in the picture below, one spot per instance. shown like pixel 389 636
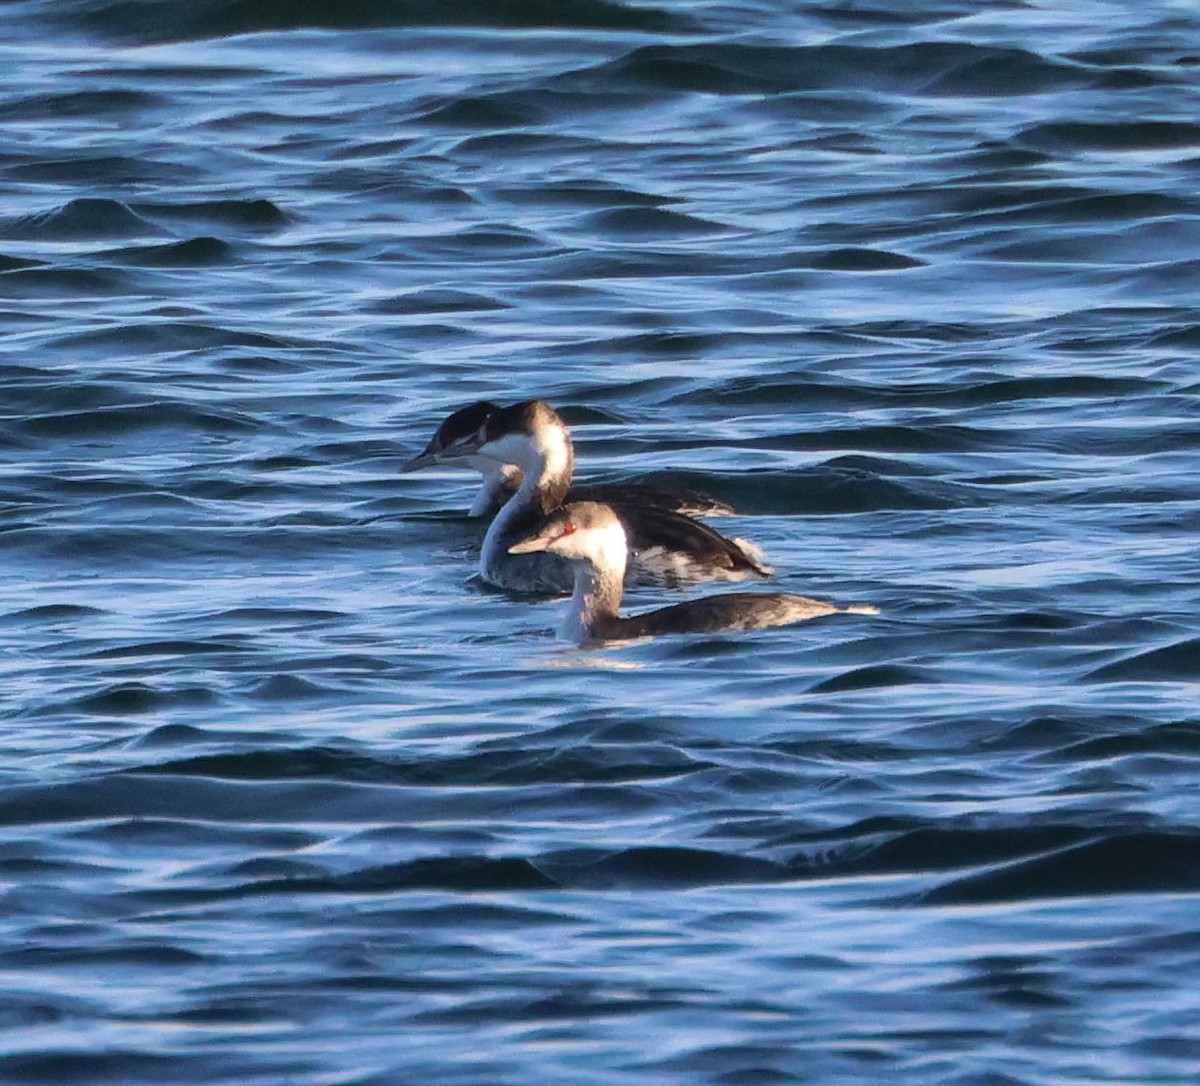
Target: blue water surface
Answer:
pixel 288 796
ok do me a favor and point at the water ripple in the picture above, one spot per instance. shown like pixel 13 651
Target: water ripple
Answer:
pixel 909 285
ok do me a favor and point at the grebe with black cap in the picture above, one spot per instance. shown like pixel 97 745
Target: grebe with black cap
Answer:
pixel 666 548
pixel 448 447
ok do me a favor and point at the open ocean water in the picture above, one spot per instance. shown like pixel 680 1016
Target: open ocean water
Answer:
pixel 288 797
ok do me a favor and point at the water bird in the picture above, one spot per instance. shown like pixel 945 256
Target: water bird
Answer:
pixel 666 548
pixel 591 537
pixel 449 447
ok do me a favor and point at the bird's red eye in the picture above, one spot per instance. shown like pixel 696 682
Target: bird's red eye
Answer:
pixel 567 527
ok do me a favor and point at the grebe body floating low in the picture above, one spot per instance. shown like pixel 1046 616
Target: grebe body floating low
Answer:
pixel 591 537
pixel 667 548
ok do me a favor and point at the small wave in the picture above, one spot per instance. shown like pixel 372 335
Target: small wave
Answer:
pixel 136 952
pixel 195 252
pixel 651 223
pixel 1119 863
pixel 436 301
pixel 890 845
pixel 836 488
pixel 863 260
pixel 149 416
pixel 43 281
pixel 641 867
pixel 490 112
pixel 65 1065
pixel 82 218
pixel 1084 386
pixel 50 613
pixel 115 547
pixel 258 365
pixel 192 836
pixel 41 392
pixel 131 699
pixel 493 768
pixel 251 214
pixel 482 243
pixel 847 395
pixel 1172 663
pixel 647 866
pixel 16 263
pixel 872 676
pixel 224 18
pixel 289 688
pixel 275 617
pixel 1184 338
pixel 110 102
pixel 471 873
pixel 101 171
pixel 1178 738
pixel 581 192
pixel 1140 135
pixel 1099 207
pixel 935 69
pixel 527 145
pixel 889 439
pixel 177 647
pixel 1018 203
pixel 172 735
pixel 153 336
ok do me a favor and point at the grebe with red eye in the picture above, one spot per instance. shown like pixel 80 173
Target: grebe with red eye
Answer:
pixel 591 538
pixel 666 548
pixel 449 447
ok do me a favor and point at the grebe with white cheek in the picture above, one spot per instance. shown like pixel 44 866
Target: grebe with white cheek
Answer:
pixel 447 448
pixel 667 548
pixel 590 537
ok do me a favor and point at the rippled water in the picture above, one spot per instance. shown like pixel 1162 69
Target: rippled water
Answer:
pixel 289 797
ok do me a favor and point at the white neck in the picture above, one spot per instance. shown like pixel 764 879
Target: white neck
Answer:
pixel 495 542
pixel 498 479
pixel 545 458
pixel 599 584
pixel 545 461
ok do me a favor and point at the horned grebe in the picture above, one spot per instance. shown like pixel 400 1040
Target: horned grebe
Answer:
pixel 500 481
pixel 666 548
pixel 591 538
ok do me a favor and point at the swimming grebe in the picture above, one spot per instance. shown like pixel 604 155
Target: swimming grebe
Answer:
pixel 590 536
pixel 666 548
pixel 448 446
pixel 500 481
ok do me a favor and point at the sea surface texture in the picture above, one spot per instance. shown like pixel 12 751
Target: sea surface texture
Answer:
pixel 289 798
